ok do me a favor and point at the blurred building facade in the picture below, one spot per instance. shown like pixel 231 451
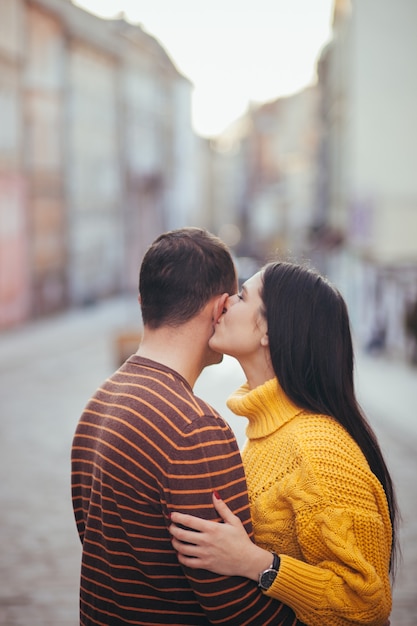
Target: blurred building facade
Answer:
pixel 266 175
pixel 281 154
pixel 329 173
pixel 14 243
pixel 96 155
pixel 366 213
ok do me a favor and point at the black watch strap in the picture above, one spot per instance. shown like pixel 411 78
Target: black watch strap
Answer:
pixel 276 562
pixel 267 577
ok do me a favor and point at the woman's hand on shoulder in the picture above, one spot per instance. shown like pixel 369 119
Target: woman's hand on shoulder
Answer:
pixel 222 548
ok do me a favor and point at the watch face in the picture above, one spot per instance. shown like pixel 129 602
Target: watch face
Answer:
pixel 267 578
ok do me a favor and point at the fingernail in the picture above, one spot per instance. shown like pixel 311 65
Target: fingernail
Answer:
pixel 216 495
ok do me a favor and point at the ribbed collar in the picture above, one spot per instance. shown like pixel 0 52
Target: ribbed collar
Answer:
pixel 266 407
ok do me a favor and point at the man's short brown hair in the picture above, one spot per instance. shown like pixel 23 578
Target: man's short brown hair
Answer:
pixel 180 272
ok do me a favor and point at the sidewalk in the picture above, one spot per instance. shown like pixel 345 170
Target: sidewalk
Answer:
pixel 48 370
pixel 387 389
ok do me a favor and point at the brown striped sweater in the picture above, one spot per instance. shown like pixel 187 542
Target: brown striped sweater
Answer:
pixel 146 445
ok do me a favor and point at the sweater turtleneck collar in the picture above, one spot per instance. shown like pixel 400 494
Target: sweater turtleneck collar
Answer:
pixel 267 408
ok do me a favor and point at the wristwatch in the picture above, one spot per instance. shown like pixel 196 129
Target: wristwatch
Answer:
pixel 267 577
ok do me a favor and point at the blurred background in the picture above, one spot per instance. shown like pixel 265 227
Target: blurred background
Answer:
pixel 288 129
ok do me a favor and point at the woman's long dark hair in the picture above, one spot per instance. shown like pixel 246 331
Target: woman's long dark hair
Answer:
pixel 312 355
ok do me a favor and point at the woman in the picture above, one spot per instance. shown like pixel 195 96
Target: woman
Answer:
pixel 321 496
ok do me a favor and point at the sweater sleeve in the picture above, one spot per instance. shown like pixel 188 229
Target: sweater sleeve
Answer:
pixel 344 585
pixel 344 539
pixel 208 459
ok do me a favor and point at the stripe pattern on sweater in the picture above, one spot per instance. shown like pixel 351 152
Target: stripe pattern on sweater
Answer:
pixel 145 446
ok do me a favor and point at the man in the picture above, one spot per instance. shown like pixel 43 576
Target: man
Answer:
pixel 146 445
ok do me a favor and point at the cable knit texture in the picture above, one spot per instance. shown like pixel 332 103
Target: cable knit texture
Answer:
pixel 316 503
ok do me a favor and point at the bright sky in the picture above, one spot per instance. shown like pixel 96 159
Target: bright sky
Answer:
pixel 233 51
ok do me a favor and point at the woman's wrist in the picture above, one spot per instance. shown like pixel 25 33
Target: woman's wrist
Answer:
pixel 258 561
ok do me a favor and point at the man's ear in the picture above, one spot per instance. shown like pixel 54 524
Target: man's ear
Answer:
pixel 219 307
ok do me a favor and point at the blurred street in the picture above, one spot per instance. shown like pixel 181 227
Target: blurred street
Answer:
pixel 49 369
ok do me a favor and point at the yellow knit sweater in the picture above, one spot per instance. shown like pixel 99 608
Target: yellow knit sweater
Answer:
pixel 316 503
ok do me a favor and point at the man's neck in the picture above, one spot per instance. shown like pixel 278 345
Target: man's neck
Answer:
pixel 176 348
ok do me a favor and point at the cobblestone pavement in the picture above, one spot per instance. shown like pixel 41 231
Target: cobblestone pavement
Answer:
pixel 48 370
